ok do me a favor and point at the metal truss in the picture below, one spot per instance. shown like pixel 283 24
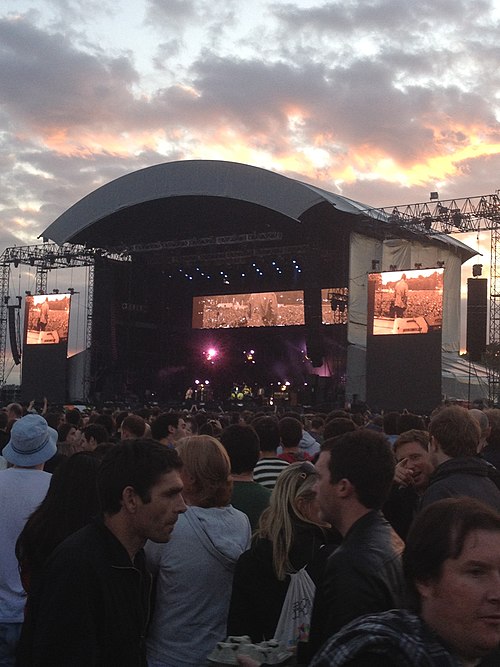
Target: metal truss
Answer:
pixel 455 216
pixel 451 216
pixel 44 258
pixel 4 298
pixel 199 242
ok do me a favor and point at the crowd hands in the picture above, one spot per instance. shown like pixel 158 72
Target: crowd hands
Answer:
pixel 395 518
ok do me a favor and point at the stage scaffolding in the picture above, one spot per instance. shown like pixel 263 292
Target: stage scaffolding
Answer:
pixel 45 258
pixel 428 219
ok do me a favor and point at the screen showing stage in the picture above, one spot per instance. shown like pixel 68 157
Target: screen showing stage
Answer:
pixel 334 305
pixel 46 319
pixel 260 309
pixel 405 302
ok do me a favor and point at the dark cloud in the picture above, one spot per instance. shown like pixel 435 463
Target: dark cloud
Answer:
pixel 49 85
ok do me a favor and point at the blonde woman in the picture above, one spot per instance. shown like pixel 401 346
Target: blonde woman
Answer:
pixel 290 536
pixel 195 569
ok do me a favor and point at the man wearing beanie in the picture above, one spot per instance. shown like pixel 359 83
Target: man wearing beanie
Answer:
pixel 22 488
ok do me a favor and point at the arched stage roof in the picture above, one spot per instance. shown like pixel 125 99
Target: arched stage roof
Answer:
pixel 172 200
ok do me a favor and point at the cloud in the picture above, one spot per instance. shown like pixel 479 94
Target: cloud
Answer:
pixel 51 87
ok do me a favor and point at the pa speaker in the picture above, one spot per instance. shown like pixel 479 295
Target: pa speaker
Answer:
pixel 477 300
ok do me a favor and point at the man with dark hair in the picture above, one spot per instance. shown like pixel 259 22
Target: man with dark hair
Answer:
pixel 364 574
pixel 92 604
pixel 242 445
pixel 269 465
pixel 451 564
pixel 411 478
pixel 291 434
pixel 133 426
pixel 74 417
pixel 454 439
pixel 167 428
pixel 390 422
pixel 93 435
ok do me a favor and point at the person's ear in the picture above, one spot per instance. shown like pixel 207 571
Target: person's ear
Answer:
pixel 424 588
pixel 345 488
pixel 130 499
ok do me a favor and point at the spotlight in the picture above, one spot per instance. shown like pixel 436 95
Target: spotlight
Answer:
pixel 28 292
pixel 211 353
pixel 418 265
pixel 394 267
pixel 55 291
pixel 440 264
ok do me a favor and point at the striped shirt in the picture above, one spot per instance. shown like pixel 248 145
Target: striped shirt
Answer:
pixel 267 471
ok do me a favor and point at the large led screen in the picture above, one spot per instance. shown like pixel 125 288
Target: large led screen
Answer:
pixel 260 309
pixel 47 319
pixel 405 302
pixel 334 305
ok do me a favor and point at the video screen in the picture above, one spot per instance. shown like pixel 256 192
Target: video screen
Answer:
pixel 47 319
pixel 406 302
pixel 334 305
pixel 260 309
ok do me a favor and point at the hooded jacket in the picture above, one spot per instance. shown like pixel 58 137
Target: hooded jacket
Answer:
pixel 467 476
pixel 195 575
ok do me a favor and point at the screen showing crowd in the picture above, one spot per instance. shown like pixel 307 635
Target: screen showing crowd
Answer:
pixel 334 305
pixel 407 302
pixel 259 309
pixel 47 319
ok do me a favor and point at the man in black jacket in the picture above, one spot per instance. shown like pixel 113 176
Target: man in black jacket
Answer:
pixel 454 440
pixel 364 574
pixel 91 606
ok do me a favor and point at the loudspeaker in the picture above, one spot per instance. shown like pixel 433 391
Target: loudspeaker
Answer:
pixel 477 301
pixel 16 353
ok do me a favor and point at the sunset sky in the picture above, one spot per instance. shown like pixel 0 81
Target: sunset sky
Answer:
pixel 382 101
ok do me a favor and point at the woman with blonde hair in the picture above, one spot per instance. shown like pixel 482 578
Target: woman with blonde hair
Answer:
pixel 195 569
pixel 290 537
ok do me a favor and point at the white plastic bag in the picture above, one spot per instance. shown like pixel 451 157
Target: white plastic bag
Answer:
pixel 295 619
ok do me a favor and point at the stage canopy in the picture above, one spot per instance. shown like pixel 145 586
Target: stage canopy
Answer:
pixel 189 198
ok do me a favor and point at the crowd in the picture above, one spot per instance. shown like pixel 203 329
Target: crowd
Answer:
pixel 148 537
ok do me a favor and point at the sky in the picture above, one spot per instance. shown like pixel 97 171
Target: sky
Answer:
pixel 382 101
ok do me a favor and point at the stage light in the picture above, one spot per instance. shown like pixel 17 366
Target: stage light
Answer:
pixel 197 382
pixel 28 292
pixel 418 265
pixel 211 354
pixel 55 291
pixel 440 263
pixel 207 382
